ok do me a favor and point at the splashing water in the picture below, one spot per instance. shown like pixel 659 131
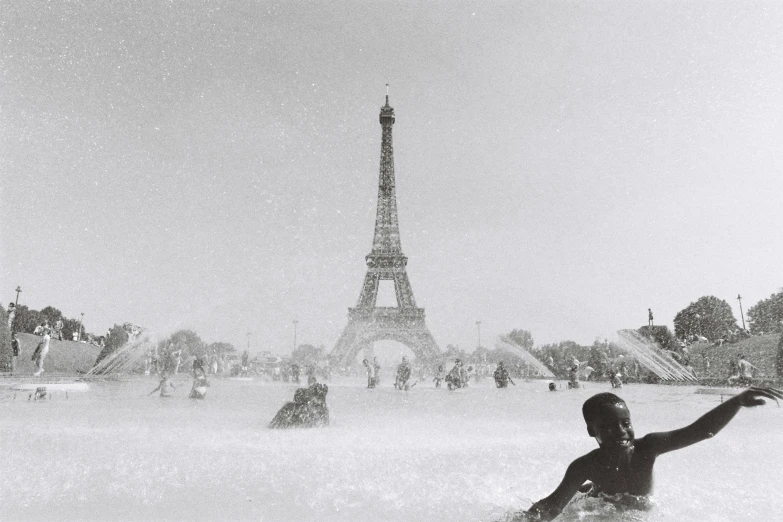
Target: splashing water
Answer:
pixel 652 357
pixel 123 359
pixel 506 343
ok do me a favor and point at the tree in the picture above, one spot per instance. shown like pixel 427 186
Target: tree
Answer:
pixel 661 335
pixel 220 348
pixel 5 341
pixel 186 340
pixel 454 352
pixel 708 316
pixel 307 354
pixel 767 315
pixel 779 358
pixel 479 356
pixel 116 339
pixel 557 357
pixel 26 319
pixel 523 338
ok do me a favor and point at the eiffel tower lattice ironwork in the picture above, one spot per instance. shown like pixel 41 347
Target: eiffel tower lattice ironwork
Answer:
pixel 367 322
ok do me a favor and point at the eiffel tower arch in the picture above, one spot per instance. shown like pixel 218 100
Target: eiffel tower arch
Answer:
pixel 367 322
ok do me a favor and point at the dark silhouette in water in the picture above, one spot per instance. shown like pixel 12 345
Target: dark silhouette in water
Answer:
pixel 502 378
pixel 308 409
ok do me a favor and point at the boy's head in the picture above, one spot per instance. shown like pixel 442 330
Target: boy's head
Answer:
pixel 608 420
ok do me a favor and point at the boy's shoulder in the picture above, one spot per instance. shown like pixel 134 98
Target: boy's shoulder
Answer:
pixel 586 461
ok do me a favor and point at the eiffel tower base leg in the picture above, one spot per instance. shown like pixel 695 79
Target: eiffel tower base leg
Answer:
pixel 362 332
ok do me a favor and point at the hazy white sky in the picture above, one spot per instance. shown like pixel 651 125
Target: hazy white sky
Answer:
pixel 561 166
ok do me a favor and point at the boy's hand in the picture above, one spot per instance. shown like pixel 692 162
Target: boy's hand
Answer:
pixel 756 396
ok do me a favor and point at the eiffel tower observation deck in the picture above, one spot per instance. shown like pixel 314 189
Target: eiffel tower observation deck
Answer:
pixel 367 322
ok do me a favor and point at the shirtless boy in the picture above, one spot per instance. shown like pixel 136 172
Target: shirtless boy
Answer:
pixel 166 387
pixel 623 464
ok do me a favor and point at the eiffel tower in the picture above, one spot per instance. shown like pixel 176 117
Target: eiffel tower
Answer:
pixel 367 322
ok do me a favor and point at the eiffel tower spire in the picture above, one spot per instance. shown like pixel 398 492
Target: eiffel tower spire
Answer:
pixel 368 322
pixel 387 228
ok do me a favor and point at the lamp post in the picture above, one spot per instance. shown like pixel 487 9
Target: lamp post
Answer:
pixel 742 314
pixel 18 289
pixel 81 322
pixel 478 327
pixel 296 322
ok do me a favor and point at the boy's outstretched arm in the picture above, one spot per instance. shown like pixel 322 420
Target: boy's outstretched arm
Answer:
pixel 711 422
pixel 551 506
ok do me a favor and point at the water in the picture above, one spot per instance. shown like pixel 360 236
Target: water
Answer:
pixel 477 454
pixel 651 357
pixel 508 344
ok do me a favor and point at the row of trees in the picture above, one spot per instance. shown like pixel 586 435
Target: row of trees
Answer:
pixel 186 340
pixel 766 316
pixel 713 318
pixel 27 319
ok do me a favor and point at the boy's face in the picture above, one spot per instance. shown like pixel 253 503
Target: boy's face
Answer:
pixel 612 428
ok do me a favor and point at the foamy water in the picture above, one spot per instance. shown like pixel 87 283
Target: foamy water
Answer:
pixel 429 454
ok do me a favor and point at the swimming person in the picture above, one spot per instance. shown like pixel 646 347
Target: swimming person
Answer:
pixel 308 409
pixel 622 466
pixel 200 384
pixel 166 387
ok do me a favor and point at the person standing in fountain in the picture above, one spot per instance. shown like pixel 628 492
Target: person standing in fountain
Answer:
pixel 456 376
pixel 176 359
pixel 744 375
pixel 438 376
pixel 166 387
pixel 377 367
pixel 200 383
pixel 370 373
pixel 198 367
pixel 403 374
pixel 573 373
pixel 502 378
pixel 245 358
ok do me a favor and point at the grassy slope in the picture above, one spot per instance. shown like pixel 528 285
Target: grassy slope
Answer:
pixel 760 350
pixel 64 356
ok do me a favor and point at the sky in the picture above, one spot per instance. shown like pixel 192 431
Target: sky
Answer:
pixel 561 167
